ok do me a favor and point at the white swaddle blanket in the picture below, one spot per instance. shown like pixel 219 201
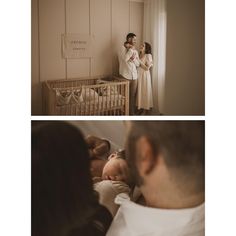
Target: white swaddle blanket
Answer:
pixel 108 190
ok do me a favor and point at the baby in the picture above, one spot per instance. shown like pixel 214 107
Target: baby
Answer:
pixel 128 45
pixel 115 168
pixel 131 48
pixel 115 179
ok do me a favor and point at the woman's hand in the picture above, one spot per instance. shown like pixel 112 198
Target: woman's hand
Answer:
pixel 146 68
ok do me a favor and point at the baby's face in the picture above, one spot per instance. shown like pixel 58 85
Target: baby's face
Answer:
pixel 115 169
pixel 128 45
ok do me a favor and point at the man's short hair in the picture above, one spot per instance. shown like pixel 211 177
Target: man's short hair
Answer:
pixel 181 143
pixel 130 35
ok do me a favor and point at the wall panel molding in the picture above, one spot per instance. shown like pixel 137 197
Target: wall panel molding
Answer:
pixel 51 26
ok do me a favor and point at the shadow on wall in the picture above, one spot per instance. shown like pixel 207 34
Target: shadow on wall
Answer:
pixel 115 50
pixel 113 131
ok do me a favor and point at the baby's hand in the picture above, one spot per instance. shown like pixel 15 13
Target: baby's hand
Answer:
pixel 133 56
pixel 114 177
pixel 108 191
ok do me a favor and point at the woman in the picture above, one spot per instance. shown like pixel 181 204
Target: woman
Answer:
pixel 144 91
pixel 63 200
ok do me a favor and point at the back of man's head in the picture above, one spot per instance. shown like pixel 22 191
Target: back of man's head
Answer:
pixel 130 35
pixel 181 145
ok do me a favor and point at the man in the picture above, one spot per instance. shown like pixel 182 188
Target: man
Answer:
pixel 167 163
pixel 128 61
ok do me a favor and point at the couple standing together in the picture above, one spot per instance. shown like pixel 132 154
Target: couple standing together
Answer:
pixel 135 67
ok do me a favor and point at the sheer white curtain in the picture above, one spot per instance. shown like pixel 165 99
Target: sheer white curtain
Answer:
pixel 155 23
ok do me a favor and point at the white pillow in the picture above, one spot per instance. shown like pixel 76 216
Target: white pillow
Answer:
pixel 108 89
pixel 63 96
pixel 108 190
pixel 89 94
pixel 76 96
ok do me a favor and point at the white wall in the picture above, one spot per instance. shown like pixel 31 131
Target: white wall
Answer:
pixel 108 20
pixel 184 93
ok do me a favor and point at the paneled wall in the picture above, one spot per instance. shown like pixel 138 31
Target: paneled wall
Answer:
pixel 108 20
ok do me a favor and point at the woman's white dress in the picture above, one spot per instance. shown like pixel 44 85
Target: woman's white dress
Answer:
pixel 144 91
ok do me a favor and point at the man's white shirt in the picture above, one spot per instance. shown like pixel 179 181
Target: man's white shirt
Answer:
pixel 127 67
pixel 136 220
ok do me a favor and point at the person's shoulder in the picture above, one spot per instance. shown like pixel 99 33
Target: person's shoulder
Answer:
pixel 98 224
pixel 103 215
pixel 121 49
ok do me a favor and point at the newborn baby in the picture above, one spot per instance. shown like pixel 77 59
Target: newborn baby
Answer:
pixel 130 48
pixel 116 168
pixel 115 179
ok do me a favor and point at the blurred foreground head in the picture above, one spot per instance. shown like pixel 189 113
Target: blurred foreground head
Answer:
pixel 62 193
pixel 167 152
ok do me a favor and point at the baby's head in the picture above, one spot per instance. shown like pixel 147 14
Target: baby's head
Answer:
pixel 116 167
pixel 128 45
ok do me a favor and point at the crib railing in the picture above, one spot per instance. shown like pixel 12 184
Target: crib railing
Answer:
pixel 107 98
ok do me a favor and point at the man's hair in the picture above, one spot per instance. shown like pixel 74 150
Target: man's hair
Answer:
pixel 62 192
pixel 130 35
pixel 181 143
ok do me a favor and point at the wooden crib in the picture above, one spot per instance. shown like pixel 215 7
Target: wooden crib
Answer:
pixel 100 95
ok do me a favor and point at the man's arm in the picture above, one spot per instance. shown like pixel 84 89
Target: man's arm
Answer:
pixel 136 59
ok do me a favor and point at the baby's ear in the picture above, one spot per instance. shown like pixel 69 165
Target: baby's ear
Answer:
pixel 111 156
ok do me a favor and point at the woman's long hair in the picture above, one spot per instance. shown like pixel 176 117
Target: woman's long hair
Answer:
pixel 62 191
pixel 148 48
